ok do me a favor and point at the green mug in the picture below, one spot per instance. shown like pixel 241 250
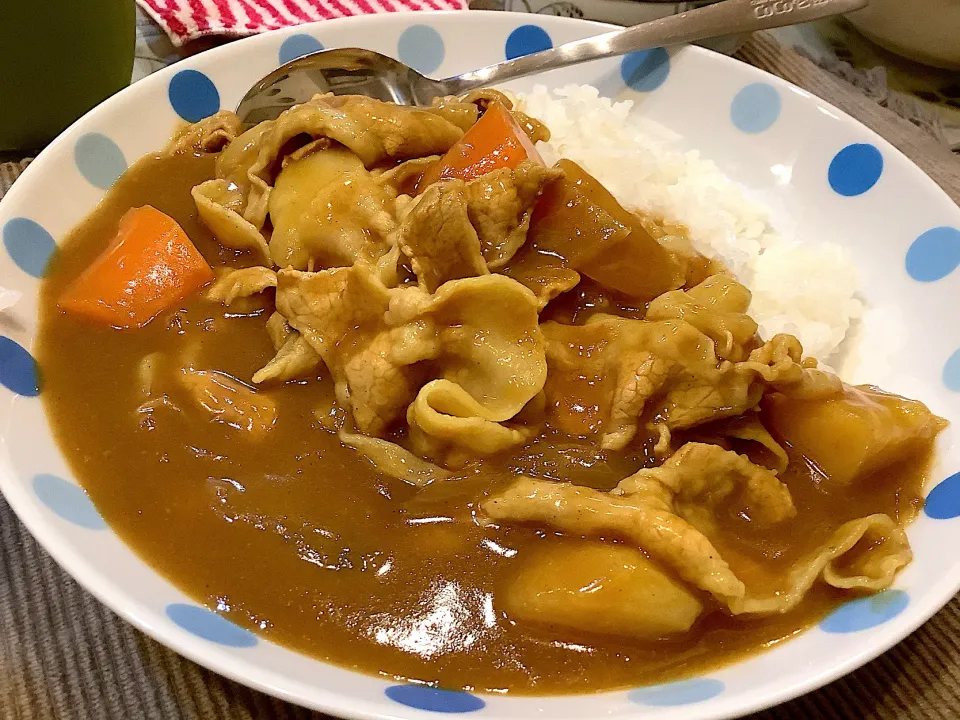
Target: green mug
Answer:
pixel 58 59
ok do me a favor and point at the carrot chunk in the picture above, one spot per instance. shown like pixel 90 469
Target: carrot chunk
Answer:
pixel 495 141
pixel 150 266
pixel 579 220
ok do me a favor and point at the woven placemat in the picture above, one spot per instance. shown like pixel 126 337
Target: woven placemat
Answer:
pixel 65 656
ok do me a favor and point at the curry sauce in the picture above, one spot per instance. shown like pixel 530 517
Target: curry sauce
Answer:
pixel 300 539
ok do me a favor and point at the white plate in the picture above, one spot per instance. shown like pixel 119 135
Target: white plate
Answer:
pixel 797 152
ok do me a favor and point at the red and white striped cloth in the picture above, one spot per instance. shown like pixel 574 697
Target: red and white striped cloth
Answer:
pixel 185 20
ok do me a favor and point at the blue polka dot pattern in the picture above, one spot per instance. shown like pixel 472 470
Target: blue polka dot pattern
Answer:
pixel 433 699
pixel 68 501
pixel 684 692
pixel 646 70
pixel 421 47
pixel 29 245
pixel 755 108
pixel 208 625
pixel 525 40
pixel 193 95
pixel 18 369
pixel 99 160
pixel 855 169
pixel 943 502
pixel 297 46
pixel 951 372
pixel 934 254
pixel 866 613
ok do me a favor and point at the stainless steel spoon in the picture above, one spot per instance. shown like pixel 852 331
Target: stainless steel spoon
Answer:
pixel 353 71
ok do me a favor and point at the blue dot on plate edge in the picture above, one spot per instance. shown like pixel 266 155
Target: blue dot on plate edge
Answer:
pixel 421 47
pixel 943 502
pixel 434 699
pixel 646 70
pixel 297 46
pixel 193 95
pixel 68 501
pixel 99 159
pixel 855 169
pixel 210 626
pixel 683 692
pixel 951 372
pixel 18 369
pixel 865 613
pixel 934 254
pixel 755 108
pixel 29 245
pixel 525 40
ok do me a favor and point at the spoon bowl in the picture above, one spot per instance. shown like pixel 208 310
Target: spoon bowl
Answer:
pixel 341 71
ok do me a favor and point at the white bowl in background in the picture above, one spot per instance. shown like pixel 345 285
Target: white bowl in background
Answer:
pixel 927 31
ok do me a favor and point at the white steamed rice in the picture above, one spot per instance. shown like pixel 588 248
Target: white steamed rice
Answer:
pixel 809 290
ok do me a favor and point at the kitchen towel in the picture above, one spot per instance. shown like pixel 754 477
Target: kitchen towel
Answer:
pixel 186 20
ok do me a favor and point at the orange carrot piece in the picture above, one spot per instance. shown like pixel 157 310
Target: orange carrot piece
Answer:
pixel 151 266
pixel 577 219
pixel 494 141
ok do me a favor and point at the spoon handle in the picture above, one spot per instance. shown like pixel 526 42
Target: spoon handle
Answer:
pixel 728 17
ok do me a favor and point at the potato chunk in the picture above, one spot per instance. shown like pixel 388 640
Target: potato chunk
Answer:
pixel 600 588
pixel 854 434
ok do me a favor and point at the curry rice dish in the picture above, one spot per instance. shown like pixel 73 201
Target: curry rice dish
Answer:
pixel 382 387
